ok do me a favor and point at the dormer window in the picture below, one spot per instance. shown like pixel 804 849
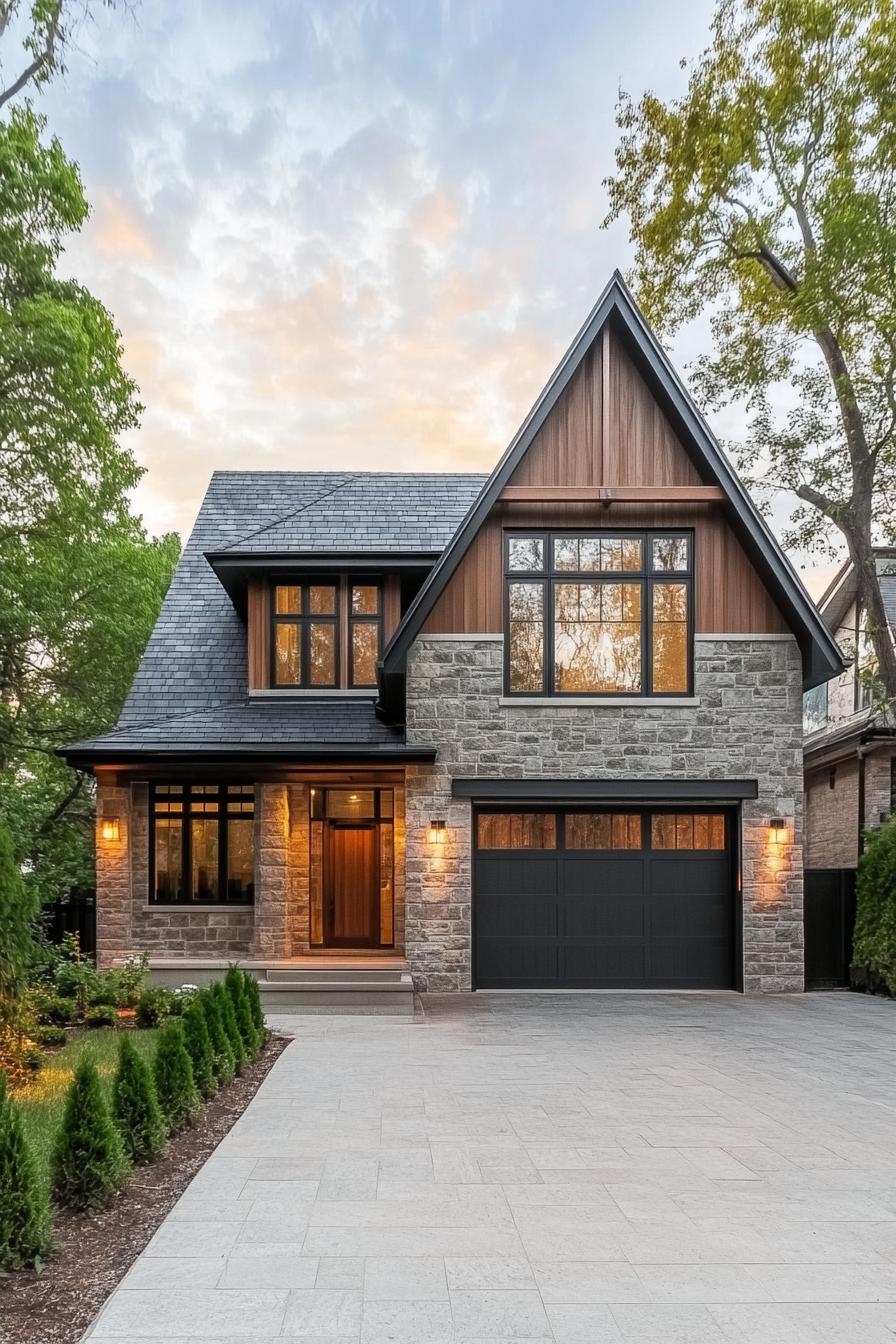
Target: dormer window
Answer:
pixel 326 633
pixel 598 613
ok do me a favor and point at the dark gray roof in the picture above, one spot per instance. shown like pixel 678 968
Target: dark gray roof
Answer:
pixel 195 660
pixel 247 725
pixel 281 511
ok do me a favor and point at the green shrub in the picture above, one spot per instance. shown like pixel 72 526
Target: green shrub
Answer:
pixel 228 1018
pixel 88 1165
pixel 76 980
pixel 221 1048
pixel 49 1036
pixel 136 1106
pixel 153 1006
pixel 33 1058
pixel 235 984
pixel 53 1009
pixel 199 1048
pixel 24 1207
pixel 253 997
pixel 173 1072
pixel 874 941
pixel 101 1015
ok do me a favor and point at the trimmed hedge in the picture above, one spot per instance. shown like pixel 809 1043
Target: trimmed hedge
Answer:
pixel 175 1088
pixel 231 1027
pixel 89 1164
pixel 874 941
pixel 199 1048
pixel 136 1106
pixel 24 1207
pixel 221 1049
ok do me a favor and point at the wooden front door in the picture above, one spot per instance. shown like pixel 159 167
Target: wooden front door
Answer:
pixel 351 875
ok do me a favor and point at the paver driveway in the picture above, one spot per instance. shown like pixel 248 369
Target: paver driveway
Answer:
pixel 575 1169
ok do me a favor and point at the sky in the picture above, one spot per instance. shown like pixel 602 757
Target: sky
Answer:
pixel 354 233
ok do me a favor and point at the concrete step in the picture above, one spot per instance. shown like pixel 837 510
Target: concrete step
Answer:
pixel 336 975
pixel 349 991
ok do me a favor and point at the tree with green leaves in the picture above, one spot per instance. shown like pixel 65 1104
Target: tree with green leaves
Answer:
pixel 199 1048
pixel 222 1051
pixel 81 583
pixel 17 911
pixel 766 196
pixel 24 1207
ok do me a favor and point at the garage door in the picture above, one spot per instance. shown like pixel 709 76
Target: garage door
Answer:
pixel 603 899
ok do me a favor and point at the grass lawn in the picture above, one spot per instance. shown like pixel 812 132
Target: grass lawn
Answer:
pixel 42 1101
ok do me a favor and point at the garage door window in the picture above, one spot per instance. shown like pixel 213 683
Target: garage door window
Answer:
pixel 516 830
pixel 687 830
pixel 603 830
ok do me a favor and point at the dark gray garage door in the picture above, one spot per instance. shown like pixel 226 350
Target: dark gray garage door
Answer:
pixel 603 900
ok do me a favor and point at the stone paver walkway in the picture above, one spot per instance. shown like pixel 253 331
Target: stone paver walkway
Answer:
pixel 702 1169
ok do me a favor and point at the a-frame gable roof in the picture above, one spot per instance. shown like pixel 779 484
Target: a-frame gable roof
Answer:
pixel 821 656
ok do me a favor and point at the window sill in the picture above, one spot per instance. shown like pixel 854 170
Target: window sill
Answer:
pixel 310 693
pixel 181 906
pixel 596 701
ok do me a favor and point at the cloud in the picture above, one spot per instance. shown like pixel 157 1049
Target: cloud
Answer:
pixel 352 232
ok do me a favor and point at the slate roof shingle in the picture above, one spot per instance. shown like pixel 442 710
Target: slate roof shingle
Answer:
pixel 195 661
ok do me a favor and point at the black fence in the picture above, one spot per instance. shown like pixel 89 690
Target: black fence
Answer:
pixel 76 915
pixel 830 915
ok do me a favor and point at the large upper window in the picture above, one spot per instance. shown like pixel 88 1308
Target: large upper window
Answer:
pixel 598 613
pixel 202 844
pixel 326 633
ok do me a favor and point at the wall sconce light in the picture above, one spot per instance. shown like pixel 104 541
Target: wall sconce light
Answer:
pixel 777 830
pixel 437 832
pixel 110 828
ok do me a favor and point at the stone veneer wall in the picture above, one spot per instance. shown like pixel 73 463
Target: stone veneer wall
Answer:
pixel 126 922
pixel 747 724
pixel 277 926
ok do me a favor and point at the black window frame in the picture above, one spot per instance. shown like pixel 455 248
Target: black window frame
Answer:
pixel 363 581
pixel 646 576
pixel 304 620
pixel 224 814
pixel 343 621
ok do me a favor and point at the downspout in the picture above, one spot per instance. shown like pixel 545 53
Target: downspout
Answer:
pixel 860 838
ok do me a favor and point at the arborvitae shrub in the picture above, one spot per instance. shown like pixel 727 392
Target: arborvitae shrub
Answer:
pixel 89 1164
pixel 199 1048
pixel 253 998
pixel 234 983
pixel 228 1017
pixel 874 941
pixel 136 1106
pixel 24 1207
pixel 173 1072
pixel 221 1050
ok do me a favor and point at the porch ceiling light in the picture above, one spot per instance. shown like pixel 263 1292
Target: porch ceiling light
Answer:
pixel 777 830
pixel 110 828
pixel 437 831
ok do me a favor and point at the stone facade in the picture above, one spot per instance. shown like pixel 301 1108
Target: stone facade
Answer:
pixel 276 927
pixel 746 724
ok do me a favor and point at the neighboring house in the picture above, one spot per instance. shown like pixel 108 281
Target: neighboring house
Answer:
pixel 850 743
pixel 537 729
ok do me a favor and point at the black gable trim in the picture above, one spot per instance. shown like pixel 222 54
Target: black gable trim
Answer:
pixel 821 656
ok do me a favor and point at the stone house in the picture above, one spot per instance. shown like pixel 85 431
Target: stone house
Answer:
pixel 536 729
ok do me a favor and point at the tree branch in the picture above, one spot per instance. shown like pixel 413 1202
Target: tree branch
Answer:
pixel 44 59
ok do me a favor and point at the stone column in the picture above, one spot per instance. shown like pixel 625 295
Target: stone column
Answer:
pixel 437 884
pixel 113 876
pixel 272 935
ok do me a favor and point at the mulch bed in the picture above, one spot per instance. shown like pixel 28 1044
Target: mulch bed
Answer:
pixel 95 1250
